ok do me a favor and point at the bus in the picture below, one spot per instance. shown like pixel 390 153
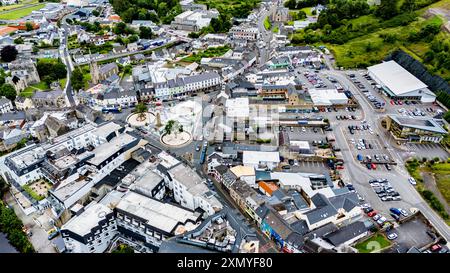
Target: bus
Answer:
pixel 112 109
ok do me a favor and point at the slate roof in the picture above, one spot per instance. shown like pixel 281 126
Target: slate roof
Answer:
pixel 346 233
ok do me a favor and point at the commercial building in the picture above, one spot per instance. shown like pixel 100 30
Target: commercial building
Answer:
pixel 415 129
pixel 327 97
pixel 398 83
pixel 261 160
pixel 245 32
pixel 194 20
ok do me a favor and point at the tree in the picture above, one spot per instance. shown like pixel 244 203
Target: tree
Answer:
pixel 122 248
pixel 291 4
pixel 8 91
pixel 145 32
pixel 18 41
pixel 95 12
pixel 141 110
pixel 387 9
pixel 133 38
pixel 29 26
pixel 408 5
pixel 8 53
pixel 3 187
pixel 169 127
pixel 77 80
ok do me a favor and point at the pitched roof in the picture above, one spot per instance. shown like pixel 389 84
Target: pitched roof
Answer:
pixel 346 233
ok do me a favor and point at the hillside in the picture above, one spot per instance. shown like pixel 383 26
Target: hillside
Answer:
pixel 369 38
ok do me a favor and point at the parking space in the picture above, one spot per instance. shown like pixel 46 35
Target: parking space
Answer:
pixel 305 133
pixel 384 189
pixel 309 167
pixel 413 233
pixel 428 150
pixel 369 88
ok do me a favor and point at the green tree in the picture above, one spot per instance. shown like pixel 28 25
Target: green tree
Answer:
pixel 8 91
pixel 169 127
pixel 8 53
pixel 77 80
pixel 141 109
pixel 95 12
pixel 145 32
pixel 387 9
pixel 29 26
pixel 408 5
pixel 18 41
pixel 122 248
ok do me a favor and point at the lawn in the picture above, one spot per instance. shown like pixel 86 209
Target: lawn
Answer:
pixel 376 242
pixel 27 92
pixel 442 175
pixel 33 194
pixel 41 86
pixel 267 23
pixel 208 53
pixel 17 14
pixel 307 11
pixel 62 82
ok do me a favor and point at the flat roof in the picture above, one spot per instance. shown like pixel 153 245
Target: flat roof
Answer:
pixel 88 219
pixel 105 129
pixel 396 78
pixel 163 216
pixel 422 123
pixel 238 107
pixel 255 157
pixel 327 96
pixel 243 171
pixel 107 149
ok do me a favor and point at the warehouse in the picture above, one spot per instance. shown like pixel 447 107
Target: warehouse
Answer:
pixel 327 97
pixel 398 83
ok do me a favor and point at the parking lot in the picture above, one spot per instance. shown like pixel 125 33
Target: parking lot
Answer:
pixel 368 87
pixel 310 167
pixel 413 233
pixel 305 133
pixel 428 150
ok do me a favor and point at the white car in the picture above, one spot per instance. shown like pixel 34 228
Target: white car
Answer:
pixel 376 184
pixel 403 212
pixel 412 181
pixel 392 236
pixel 381 220
pixel 376 217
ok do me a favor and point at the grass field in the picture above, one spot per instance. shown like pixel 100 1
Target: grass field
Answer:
pixel 17 14
pixel 27 92
pixel 442 175
pixel 307 11
pixel 21 4
pixel 376 242
pixel 208 53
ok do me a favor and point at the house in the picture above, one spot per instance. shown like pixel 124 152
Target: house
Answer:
pixel 245 32
pixel 13 119
pixel 347 235
pixel 258 159
pixel 132 47
pixel 5 105
pixel 54 98
pixel 23 103
pixel 23 74
pixel 119 49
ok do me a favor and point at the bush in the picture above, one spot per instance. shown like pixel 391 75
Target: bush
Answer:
pixel 12 226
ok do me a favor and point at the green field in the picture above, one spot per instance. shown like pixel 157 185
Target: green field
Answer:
pixel 27 92
pixel 21 4
pixel 376 242
pixel 17 14
pixel 442 175
pixel 208 53
pixel 307 11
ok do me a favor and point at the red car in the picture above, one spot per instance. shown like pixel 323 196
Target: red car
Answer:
pixel 372 213
pixel 392 102
pixel 374 167
pixel 436 247
pixel 400 102
pixel 340 167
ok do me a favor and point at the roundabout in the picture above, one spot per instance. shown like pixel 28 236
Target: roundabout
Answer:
pixel 176 140
pixel 139 120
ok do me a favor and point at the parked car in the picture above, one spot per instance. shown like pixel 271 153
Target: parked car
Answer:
pixel 376 217
pixel 412 181
pixel 53 234
pixel 395 211
pixel 403 212
pixel 392 236
pixel 395 216
pixel 372 213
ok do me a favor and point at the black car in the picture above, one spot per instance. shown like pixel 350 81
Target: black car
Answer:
pixel 388 167
pixel 291 162
pixel 286 167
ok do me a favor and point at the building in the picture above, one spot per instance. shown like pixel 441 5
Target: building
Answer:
pixel 261 160
pixel 150 221
pixel 23 103
pixel 91 231
pixel 194 20
pixel 246 32
pixel 54 98
pixel 104 72
pixel 280 14
pixel 327 97
pixel 5 105
pixel 415 129
pixel 23 74
pixel 398 83
pixel 190 190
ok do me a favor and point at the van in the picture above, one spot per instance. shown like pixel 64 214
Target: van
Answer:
pixel 396 211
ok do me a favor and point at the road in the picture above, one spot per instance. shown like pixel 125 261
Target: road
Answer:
pixel 266 35
pixel 359 175
pixel 67 60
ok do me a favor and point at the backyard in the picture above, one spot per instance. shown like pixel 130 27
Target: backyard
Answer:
pixel 208 53
pixel 38 190
pixel 374 243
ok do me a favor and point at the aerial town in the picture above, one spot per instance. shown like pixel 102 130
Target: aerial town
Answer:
pixel 238 126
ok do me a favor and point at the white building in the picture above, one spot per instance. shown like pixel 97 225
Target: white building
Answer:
pixel 194 20
pixel 261 160
pixel 150 221
pixel 5 105
pixel 245 32
pixel 90 232
pixel 190 190
pixel 326 97
pixel 77 3
pixel 398 83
